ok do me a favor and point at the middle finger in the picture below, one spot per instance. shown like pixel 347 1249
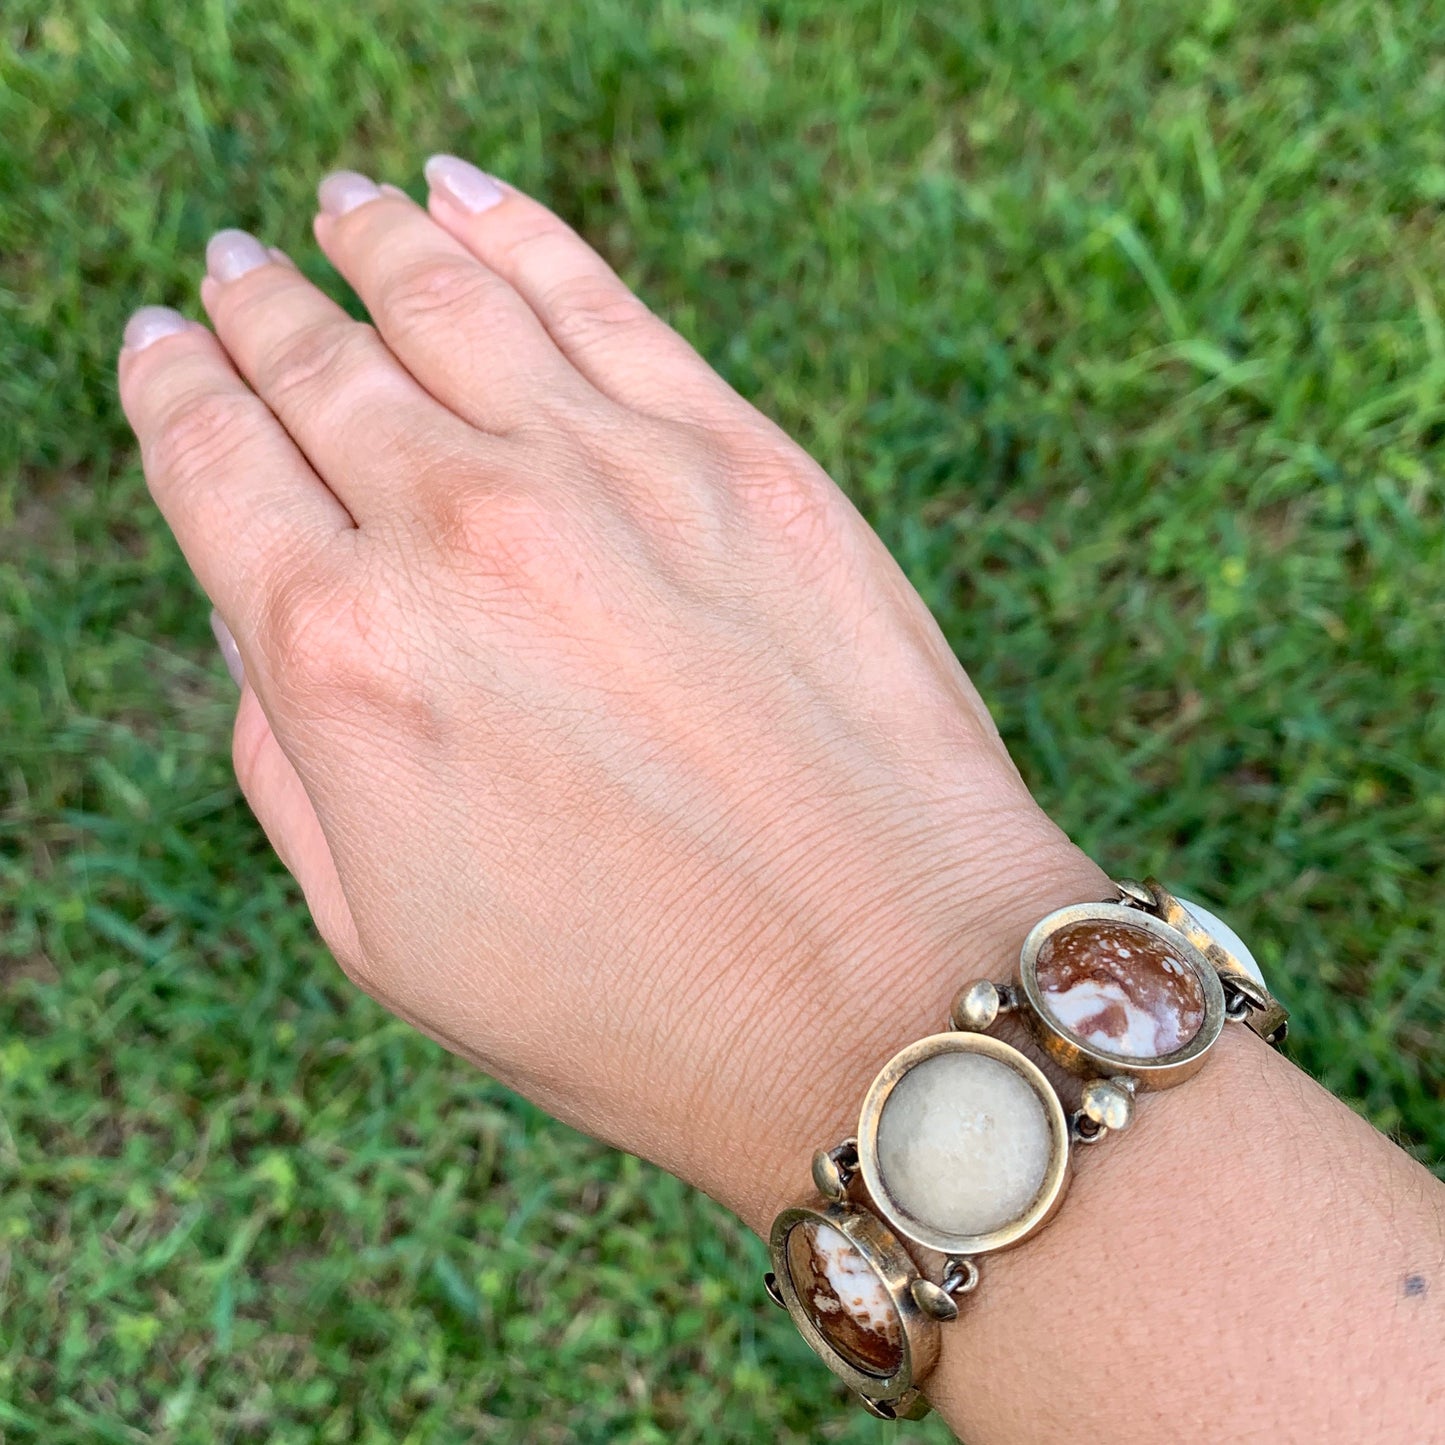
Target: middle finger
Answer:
pixel 369 429
pixel 461 329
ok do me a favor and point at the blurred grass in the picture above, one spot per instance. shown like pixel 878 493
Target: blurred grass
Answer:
pixel 1122 322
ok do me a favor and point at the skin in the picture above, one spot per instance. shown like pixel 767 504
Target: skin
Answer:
pixel 612 750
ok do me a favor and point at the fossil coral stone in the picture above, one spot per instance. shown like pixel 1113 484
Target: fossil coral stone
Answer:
pixel 844 1298
pixel 1120 988
pixel 963 1144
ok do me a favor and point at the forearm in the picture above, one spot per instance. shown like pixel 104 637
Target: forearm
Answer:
pixel 1249 1260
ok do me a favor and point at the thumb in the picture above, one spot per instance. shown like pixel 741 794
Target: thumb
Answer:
pixel 282 807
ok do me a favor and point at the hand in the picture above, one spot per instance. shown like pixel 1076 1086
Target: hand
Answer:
pixel 607 742
pixel 611 749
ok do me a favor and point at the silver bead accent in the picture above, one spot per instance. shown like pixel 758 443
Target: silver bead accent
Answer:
pixel 933 1299
pixel 833 1169
pixel 827 1176
pixel 976 1007
pixel 1107 1104
pixel 1135 894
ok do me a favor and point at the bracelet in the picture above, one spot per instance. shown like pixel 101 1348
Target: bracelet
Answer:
pixel 964 1146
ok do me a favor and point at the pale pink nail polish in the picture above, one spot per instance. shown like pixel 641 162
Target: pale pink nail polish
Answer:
pixel 231 254
pixel 463 184
pixel 150 324
pixel 344 191
pixel 230 653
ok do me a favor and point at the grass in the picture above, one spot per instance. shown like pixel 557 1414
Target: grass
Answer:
pixel 1123 323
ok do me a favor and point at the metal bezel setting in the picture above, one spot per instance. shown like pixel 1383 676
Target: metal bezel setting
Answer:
pixel 1266 1016
pixel 851 1179
pixel 895 1269
pixel 1079 1056
pixel 1055 1181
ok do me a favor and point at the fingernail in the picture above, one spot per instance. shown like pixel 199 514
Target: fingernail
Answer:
pixel 463 184
pixel 231 254
pixel 151 323
pixel 280 257
pixel 344 191
pixel 230 653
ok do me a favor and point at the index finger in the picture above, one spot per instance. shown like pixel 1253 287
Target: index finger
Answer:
pixel 242 500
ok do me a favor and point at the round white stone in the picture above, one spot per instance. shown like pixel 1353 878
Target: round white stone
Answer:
pixel 1227 938
pixel 963 1144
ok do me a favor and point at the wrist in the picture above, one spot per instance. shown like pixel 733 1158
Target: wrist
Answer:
pixel 1244 1226
pixel 829 1019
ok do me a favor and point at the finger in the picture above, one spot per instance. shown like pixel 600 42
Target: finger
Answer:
pixel 350 406
pixel 602 328
pixel 284 810
pixel 243 502
pixel 460 329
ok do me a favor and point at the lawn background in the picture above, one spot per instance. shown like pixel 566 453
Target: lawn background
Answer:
pixel 1123 324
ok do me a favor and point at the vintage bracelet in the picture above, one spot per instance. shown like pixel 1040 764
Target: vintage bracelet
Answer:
pixel 964 1145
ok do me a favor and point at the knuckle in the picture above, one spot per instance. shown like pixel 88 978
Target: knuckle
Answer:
pixel 537 239
pixel 442 287
pixel 319 359
pixel 507 533
pixel 198 435
pixel 315 627
pixel 787 501
pixel 347 651
pixel 583 309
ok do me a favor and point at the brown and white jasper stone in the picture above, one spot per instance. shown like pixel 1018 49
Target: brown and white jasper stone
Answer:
pixel 1120 989
pixel 844 1298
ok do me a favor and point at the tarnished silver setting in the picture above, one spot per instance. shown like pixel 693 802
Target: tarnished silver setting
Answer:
pixel 1260 1012
pixel 1051 1191
pixel 960 1276
pixel 977 1006
pixel 1108 1103
pixel 934 1300
pixel 893 1396
pixel 833 1169
pixel 1079 1056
